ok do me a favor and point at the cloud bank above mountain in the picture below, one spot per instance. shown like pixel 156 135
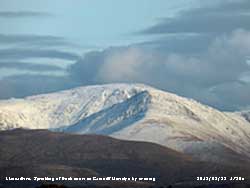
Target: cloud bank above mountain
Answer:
pixel 203 76
pixel 218 17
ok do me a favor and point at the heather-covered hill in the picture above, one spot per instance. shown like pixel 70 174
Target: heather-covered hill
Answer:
pixel 41 153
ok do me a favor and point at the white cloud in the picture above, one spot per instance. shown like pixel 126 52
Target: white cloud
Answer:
pixel 224 62
pixel 122 65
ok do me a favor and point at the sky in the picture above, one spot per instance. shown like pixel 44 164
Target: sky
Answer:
pixel 196 49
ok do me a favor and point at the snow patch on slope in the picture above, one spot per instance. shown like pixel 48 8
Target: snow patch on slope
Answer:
pixel 113 119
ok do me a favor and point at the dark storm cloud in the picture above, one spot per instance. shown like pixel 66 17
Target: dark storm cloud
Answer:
pixel 19 54
pixel 33 40
pixel 222 18
pixel 29 66
pixel 23 14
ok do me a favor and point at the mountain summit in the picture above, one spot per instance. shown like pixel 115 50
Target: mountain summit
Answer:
pixel 135 112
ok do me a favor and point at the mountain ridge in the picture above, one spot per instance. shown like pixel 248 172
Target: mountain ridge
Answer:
pixel 134 112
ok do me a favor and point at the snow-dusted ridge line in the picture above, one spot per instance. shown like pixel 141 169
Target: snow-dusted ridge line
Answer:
pixel 132 112
pixel 114 118
pixel 63 108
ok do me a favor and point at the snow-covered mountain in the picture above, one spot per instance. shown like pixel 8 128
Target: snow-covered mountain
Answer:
pixel 134 112
pixel 62 108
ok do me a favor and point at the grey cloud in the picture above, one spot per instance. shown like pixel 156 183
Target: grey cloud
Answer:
pixel 84 70
pixel 197 76
pixel 25 85
pixel 23 14
pixel 235 95
pixel 226 6
pixel 20 54
pixel 29 66
pixel 220 18
pixel 178 44
pixel 33 40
